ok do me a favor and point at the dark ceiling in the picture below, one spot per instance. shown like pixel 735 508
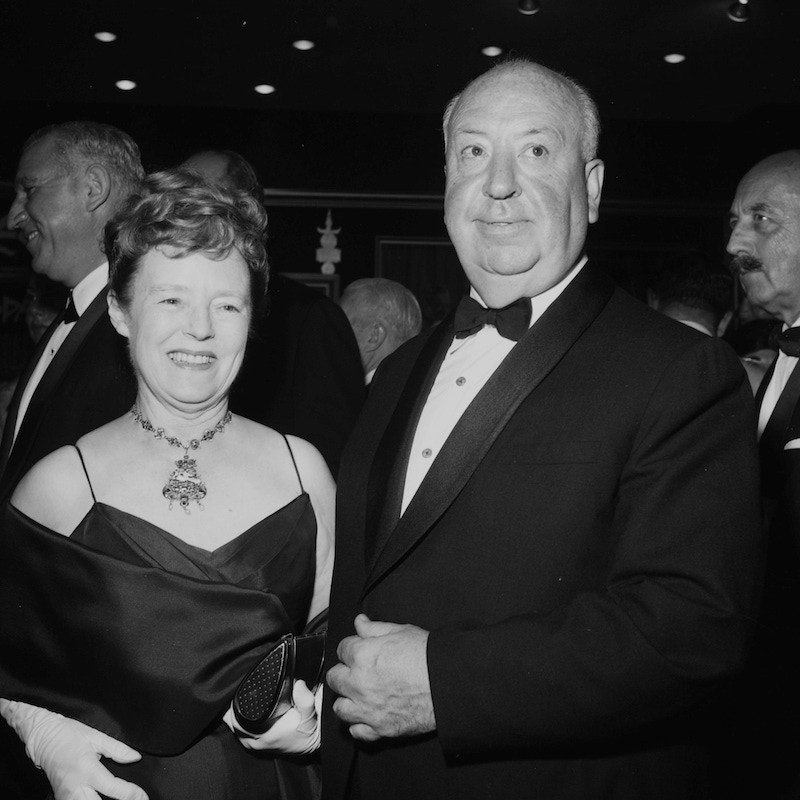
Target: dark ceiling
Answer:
pixel 403 56
pixel 195 65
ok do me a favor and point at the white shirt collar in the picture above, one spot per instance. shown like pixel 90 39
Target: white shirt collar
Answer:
pixel 541 302
pixel 690 323
pixel 91 285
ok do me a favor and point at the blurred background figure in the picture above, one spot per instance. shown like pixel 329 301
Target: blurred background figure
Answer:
pixel 302 372
pixel 384 314
pixel 44 299
pixel 694 290
pixel 756 344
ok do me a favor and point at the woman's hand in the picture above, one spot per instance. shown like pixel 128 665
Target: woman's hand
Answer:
pixel 296 732
pixel 68 752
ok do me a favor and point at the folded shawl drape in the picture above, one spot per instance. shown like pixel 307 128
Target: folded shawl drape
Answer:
pixel 123 647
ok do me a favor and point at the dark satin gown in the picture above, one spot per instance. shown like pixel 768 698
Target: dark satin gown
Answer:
pixel 277 553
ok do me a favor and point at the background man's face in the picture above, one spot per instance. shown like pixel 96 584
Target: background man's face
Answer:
pixel 765 239
pixel 49 213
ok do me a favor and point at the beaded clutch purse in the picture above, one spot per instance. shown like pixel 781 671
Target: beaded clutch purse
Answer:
pixel 266 691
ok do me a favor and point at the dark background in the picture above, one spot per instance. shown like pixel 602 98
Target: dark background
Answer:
pixel 354 125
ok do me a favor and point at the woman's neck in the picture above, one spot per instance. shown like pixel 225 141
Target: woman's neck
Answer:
pixel 184 424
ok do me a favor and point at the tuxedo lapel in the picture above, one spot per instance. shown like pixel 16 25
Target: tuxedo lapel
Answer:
pixel 762 387
pixel 55 372
pixel 529 362
pixel 13 408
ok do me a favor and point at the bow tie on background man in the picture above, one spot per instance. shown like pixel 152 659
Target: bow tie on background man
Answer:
pixel 70 312
pixel 789 342
pixel 511 322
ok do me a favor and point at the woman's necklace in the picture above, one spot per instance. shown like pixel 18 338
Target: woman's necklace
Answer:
pixel 184 484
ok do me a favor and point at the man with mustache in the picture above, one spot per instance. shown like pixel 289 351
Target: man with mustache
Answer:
pixel 765 245
pixel 546 564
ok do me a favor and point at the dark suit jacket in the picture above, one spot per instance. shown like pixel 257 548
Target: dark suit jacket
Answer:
pixel 88 383
pixel 302 372
pixel 583 551
pixel 764 740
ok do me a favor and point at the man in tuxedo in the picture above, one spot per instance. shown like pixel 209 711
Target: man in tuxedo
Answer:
pixel 765 246
pixel 70 180
pixel 384 314
pixel 546 564
pixel 301 373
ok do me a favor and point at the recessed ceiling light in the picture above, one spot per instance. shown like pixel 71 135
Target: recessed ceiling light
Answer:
pixel 738 11
pixel 264 88
pixel 303 44
pixel 105 36
pixel 528 7
pixel 674 58
pixel 492 51
pixel 126 86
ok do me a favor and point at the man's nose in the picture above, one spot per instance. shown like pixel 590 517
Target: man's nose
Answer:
pixel 16 214
pixel 740 240
pixel 501 182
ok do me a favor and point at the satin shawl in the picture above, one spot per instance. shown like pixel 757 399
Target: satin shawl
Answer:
pixel 148 656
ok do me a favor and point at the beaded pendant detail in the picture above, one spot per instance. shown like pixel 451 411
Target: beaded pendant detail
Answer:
pixel 184 484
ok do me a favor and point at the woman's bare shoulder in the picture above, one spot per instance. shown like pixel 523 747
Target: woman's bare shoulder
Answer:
pixel 55 492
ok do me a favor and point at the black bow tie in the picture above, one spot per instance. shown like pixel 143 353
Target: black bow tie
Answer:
pixel 511 322
pixel 789 342
pixel 70 312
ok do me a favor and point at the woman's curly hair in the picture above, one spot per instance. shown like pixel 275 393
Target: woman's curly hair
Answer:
pixel 183 211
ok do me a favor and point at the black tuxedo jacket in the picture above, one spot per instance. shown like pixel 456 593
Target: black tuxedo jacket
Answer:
pixel 302 371
pixel 88 383
pixel 585 551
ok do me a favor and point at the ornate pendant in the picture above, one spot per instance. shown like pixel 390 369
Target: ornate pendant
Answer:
pixel 184 484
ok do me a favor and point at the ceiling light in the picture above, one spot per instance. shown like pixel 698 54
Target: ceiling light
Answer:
pixel 126 86
pixel 264 88
pixel 492 51
pixel 738 11
pixel 303 44
pixel 528 7
pixel 105 36
pixel 674 58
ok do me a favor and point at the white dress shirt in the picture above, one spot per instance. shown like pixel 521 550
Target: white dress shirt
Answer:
pixel 466 368
pixel 784 366
pixel 82 296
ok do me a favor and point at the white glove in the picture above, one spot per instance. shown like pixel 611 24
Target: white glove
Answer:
pixel 68 752
pixel 296 732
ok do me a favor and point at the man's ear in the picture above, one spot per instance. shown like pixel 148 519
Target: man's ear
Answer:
pixel 98 186
pixel 594 172
pixel 376 335
pixel 117 316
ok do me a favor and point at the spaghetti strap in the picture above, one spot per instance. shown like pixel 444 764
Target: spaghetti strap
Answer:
pixel 299 479
pixel 86 473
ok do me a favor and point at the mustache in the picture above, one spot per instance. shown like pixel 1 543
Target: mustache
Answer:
pixel 744 263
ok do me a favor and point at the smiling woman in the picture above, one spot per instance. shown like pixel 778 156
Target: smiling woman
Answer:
pixel 224 548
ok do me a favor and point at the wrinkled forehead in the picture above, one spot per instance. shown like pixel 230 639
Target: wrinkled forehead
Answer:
pixel 522 96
